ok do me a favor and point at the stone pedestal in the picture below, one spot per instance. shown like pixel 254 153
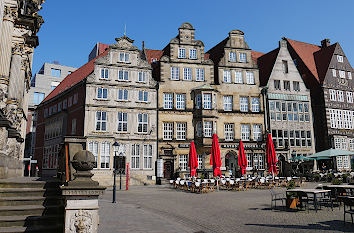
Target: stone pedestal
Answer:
pixel 81 196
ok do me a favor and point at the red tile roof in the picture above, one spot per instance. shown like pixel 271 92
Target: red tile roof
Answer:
pixel 306 53
pixel 206 56
pixel 75 77
pixel 153 54
pixel 102 48
pixel 255 55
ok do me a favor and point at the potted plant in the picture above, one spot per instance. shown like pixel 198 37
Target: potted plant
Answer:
pixel 292 199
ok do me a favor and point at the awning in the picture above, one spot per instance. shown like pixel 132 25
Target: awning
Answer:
pixel 331 153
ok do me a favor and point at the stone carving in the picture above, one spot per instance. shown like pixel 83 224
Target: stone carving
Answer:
pixel 3 138
pixel 83 161
pixel 342 81
pixel 17 49
pixel 81 222
pixel 10 13
pixel 125 42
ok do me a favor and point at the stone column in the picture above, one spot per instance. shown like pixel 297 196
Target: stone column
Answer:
pixel 10 14
pixel 81 196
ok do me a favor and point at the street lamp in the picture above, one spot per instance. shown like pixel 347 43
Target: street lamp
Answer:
pixel 115 149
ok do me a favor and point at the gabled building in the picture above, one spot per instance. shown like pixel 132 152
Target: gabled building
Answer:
pixel 288 107
pixel 328 74
pixel 240 113
pixel 112 98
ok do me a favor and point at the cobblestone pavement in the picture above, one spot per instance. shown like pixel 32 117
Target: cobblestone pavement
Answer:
pixel 162 209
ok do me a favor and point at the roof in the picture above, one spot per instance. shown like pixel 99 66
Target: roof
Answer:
pixel 102 48
pixel 255 55
pixel 153 54
pixel 265 65
pixel 75 77
pixel 323 59
pixel 306 52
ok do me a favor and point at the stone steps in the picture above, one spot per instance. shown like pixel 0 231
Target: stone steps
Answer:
pixel 36 229
pixel 10 192
pixel 14 201
pixel 29 220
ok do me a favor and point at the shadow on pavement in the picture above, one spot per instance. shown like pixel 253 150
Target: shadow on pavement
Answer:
pixel 326 226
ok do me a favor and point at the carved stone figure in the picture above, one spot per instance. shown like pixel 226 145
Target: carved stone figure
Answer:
pixel 81 222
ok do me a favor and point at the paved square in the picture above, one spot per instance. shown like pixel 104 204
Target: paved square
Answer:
pixel 162 209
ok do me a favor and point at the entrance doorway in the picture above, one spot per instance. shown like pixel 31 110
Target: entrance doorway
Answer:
pixel 168 169
pixel 230 162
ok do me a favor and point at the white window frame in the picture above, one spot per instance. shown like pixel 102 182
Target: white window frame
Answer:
pixel 93 148
pixel 232 56
pixel 349 75
pixel 143 96
pixel 135 157
pixel 124 57
pixel 229 131
pixel 100 93
pixel 243 104
pixel 245 132
pixel 332 95
pixel 243 57
pixel 181 53
pixel 340 96
pixel 143 122
pixel 334 72
pixel 147 156
pixel 180 101
pixel 124 94
pixel 255 104
pixel 208 129
pixel 349 96
pixel 199 75
pixel 257 132
pixel 342 74
pixel 174 73
pixel 239 77
pixel 193 54
pixel 104 73
pixel 123 75
pixel 142 76
pixel 187 73
pixel 122 122
pixel 102 123
pixel 227 76
pixel 207 103
pixel 105 155
pixel 227 103
pixel 181 130
pixel 167 130
pixel 340 58
pixel 168 100
pixel 183 162
pixel 250 77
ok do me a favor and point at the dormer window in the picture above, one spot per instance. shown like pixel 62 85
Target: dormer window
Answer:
pixel 339 58
pixel 124 57
pixel 232 56
pixel 181 53
pixel 243 57
pixel 192 54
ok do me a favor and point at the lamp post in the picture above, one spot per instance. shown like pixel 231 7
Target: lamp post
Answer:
pixel 115 148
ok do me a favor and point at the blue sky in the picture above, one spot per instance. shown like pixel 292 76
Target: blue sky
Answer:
pixel 72 28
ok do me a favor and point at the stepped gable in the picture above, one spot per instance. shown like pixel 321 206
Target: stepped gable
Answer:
pixel 75 77
pixel 306 53
pixel 265 65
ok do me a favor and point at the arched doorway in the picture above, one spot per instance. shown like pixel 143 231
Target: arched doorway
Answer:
pixel 231 162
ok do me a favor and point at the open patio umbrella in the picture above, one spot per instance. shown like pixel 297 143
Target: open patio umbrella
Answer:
pixel 242 160
pixel 331 153
pixel 215 159
pixel 271 156
pixel 193 160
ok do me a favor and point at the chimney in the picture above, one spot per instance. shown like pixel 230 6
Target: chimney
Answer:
pixel 143 44
pixel 325 43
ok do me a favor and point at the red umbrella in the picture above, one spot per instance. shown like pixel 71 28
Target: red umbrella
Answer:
pixel 193 160
pixel 271 156
pixel 215 159
pixel 242 160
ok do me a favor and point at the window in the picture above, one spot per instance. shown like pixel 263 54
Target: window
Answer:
pixel 59 107
pixel 229 132
pixel 340 96
pixel 183 162
pixel 332 95
pixel 206 101
pixel 53 85
pixel 198 101
pixel 296 86
pixel 232 56
pixel 260 161
pixel 346 161
pixel 349 96
pixel 135 156
pixel 208 128
pixel 227 103
pixel 102 93
pixel 101 121
pixel 351 144
pixel 142 76
pixel 250 77
pixel 143 96
pixel 105 154
pixel 142 123
pixel 104 73
pixel 334 72
pixel 38 97
pixel 93 148
pixel 339 58
pixel 56 72
pixel 255 104
pixel 192 54
pixel 285 67
pixel 76 97
pixel 245 132
pixel 287 85
pixel 181 53
pixel 277 84
pixel 174 73
pixel 200 161
pixel 122 122
pixel 200 74
pixel 124 57
pixel 122 94
pixel 199 129
pixel 257 132
pixel 167 130
pixel 168 101
pixel 73 126
pixel 249 161
pixel 342 74
pixel 187 74
pixel 180 101
pixel 147 154
pixel 244 104
pixel 339 161
pixel 349 75
pixel 243 57
pixel 238 77
pixel 181 129
pixel 123 75
pixel 227 76
pixel 65 104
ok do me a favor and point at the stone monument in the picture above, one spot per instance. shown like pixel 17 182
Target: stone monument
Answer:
pixel 81 196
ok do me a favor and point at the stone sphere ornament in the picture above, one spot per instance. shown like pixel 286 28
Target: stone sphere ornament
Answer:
pixel 83 161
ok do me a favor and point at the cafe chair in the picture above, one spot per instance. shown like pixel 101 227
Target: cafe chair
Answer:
pixel 348 208
pixel 276 196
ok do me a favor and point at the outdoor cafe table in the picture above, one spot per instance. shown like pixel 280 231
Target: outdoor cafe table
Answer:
pixel 311 191
pixel 340 186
